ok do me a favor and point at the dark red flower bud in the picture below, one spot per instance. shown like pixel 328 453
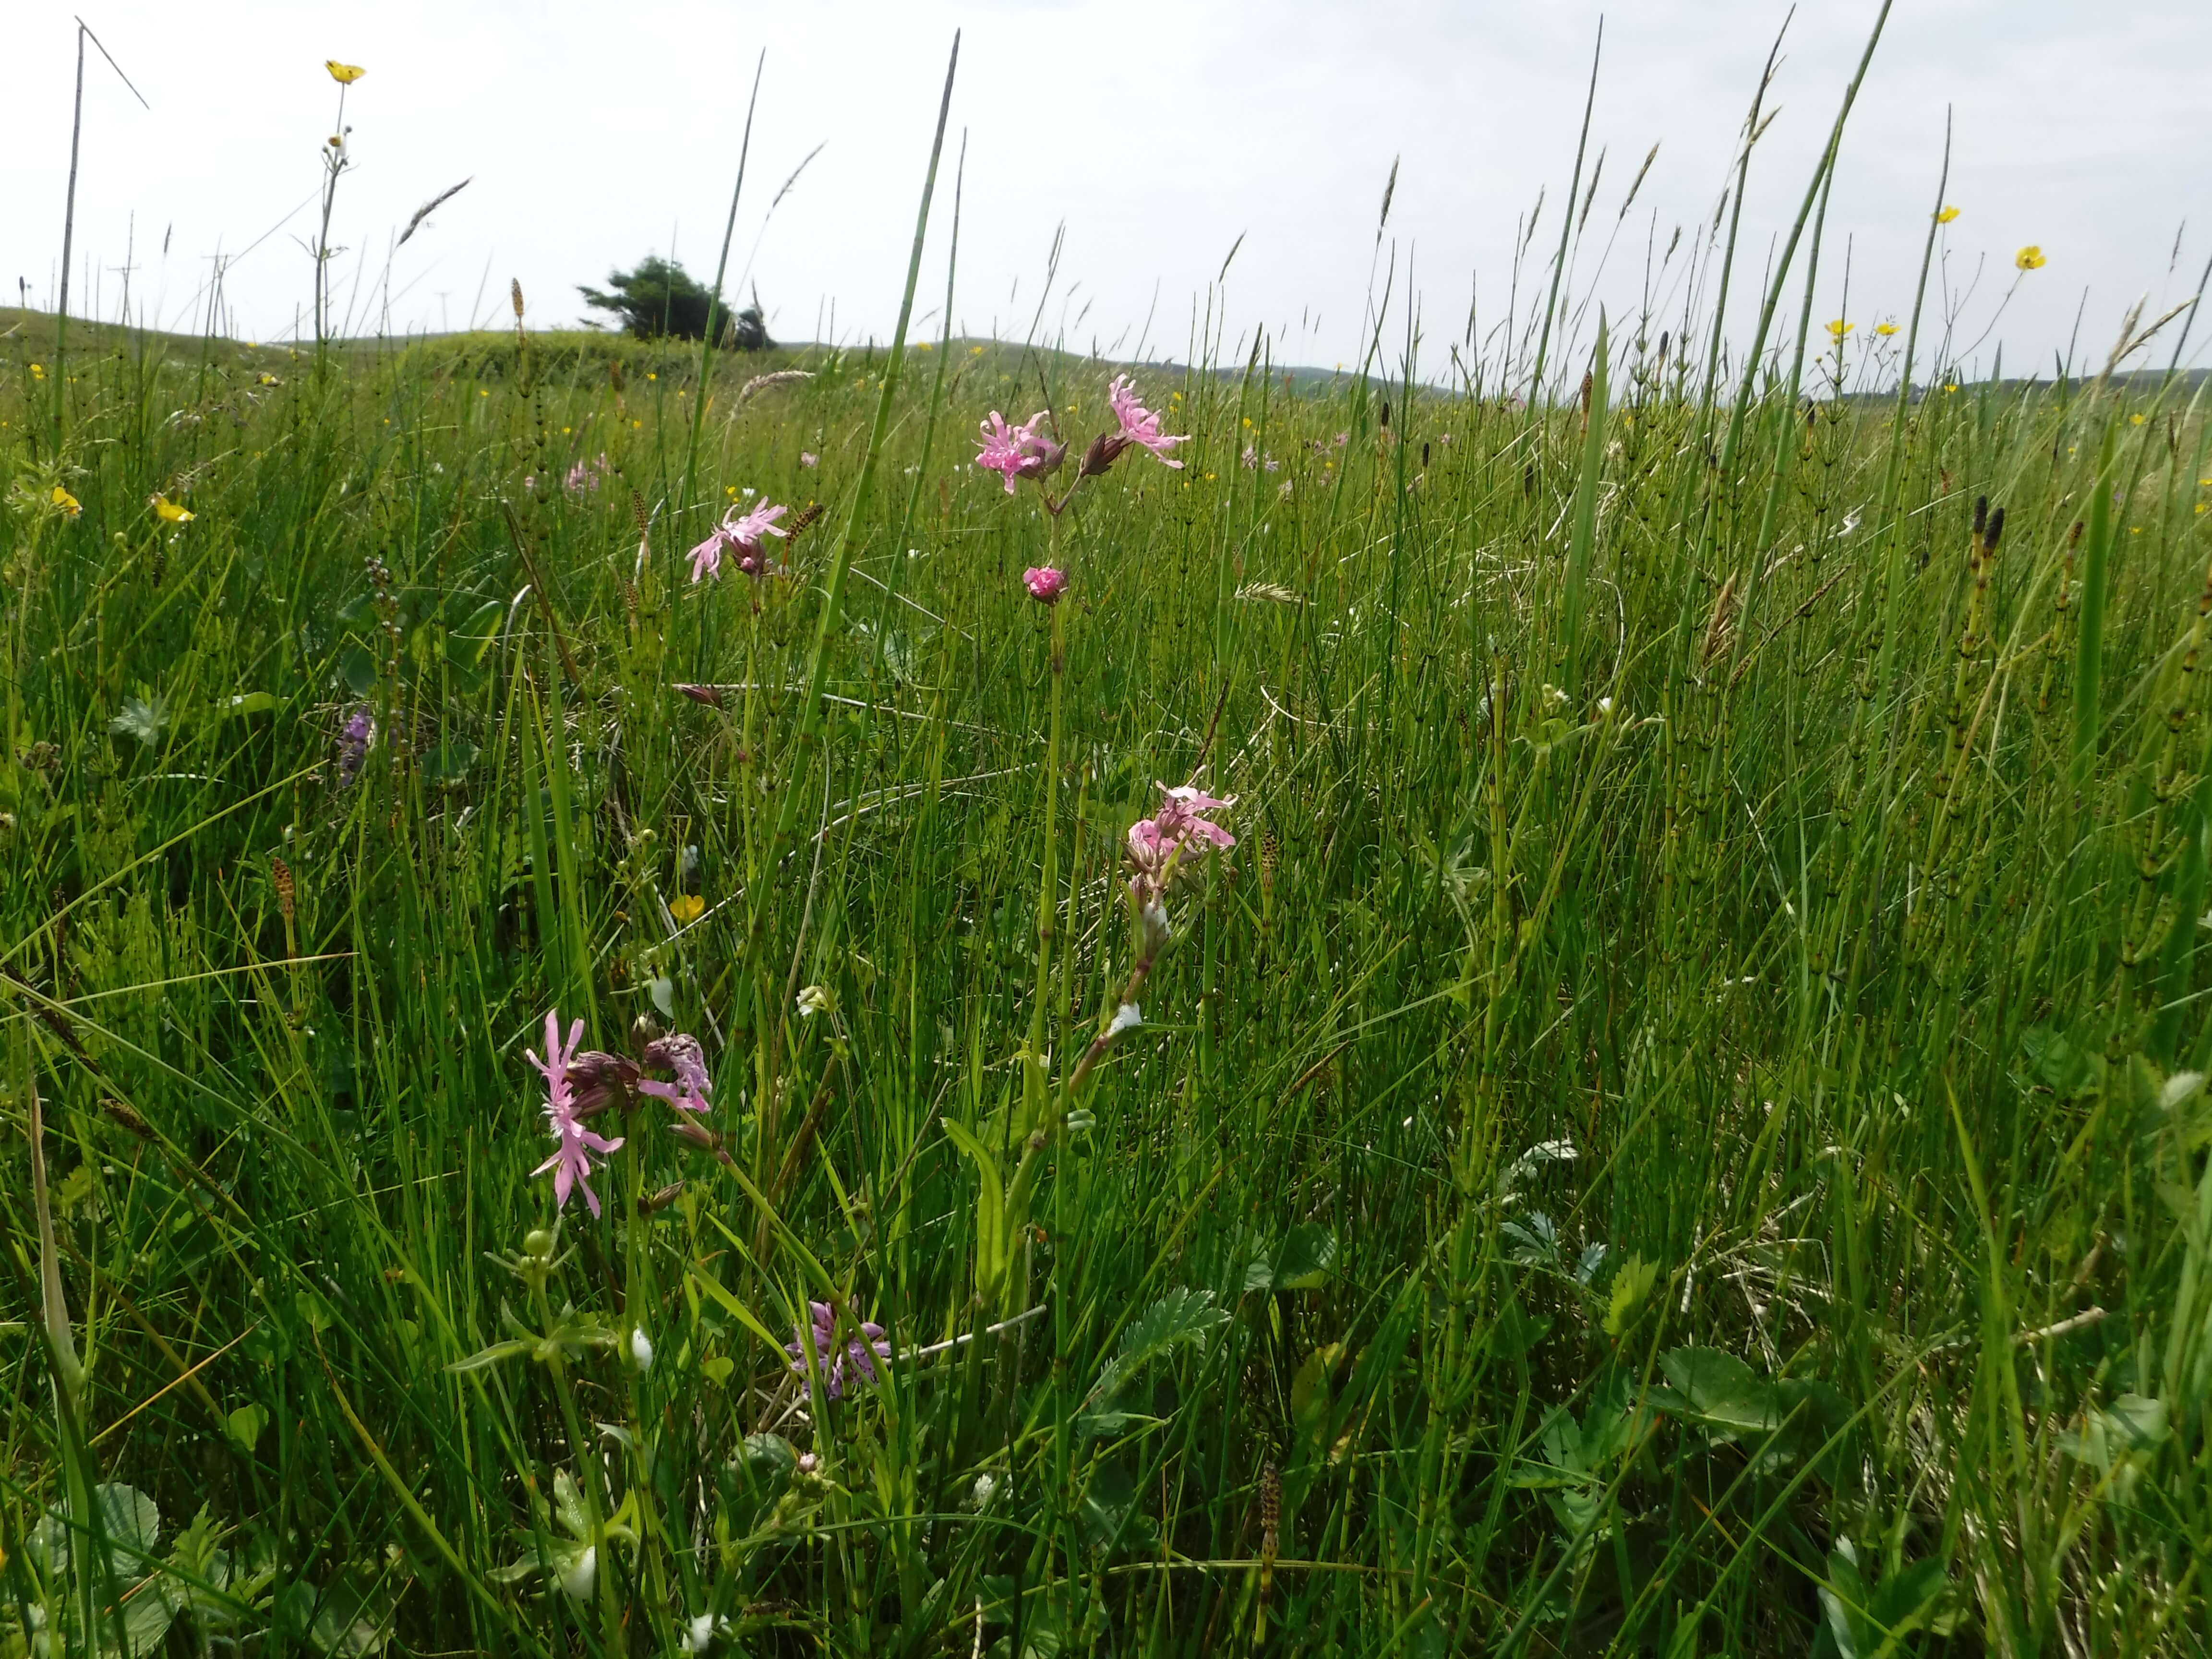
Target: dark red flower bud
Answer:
pixel 601 1080
pixel 1105 449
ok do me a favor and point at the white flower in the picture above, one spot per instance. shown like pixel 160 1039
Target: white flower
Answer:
pixel 641 1349
pixel 581 1575
pixel 1605 705
pixel 1127 1015
pixel 701 1632
pixel 987 1486
pixel 815 999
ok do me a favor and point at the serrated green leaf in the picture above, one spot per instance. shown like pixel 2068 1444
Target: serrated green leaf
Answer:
pixel 1631 1285
pixel 144 719
pixel 1718 1391
pixel 132 1522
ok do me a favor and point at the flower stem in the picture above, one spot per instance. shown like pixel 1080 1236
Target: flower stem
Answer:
pixel 589 1474
pixel 1035 1085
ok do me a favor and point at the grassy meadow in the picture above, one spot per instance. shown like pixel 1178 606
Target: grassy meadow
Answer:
pixel 1679 1126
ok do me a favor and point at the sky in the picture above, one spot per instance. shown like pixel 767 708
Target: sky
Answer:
pixel 1146 140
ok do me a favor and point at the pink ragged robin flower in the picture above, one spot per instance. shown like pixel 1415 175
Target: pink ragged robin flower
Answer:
pixel 746 532
pixel 571 1161
pixel 707 557
pixel 1017 452
pixel 1180 828
pixel 682 1054
pixel 739 534
pixel 1045 583
pixel 1138 424
pixel 999 447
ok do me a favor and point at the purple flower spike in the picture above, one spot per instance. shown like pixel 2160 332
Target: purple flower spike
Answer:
pixel 355 741
pixel 863 1354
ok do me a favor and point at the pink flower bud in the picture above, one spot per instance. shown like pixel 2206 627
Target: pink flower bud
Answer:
pixel 1045 584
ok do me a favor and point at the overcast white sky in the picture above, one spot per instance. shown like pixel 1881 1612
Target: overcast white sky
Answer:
pixel 596 133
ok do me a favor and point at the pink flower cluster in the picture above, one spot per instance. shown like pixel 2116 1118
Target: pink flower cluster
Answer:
pixel 579 1085
pixel 740 535
pixel 1023 452
pixel 863 1354
pixel 586 475
pixel 1017 451
pixel 1139 425
pixel 1158 844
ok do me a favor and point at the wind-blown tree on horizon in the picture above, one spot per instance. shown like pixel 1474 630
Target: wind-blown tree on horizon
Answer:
pixel 659 299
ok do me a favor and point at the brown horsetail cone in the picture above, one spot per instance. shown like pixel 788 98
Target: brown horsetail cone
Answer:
pixel 127 1117
pixel 280 873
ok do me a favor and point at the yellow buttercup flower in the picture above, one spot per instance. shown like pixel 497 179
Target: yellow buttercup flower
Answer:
pixel 975 351
pixel 38 371
pixel 2030 258
pixel 169 513
pixel 2135 420
pixel 70 505
pixel 1838 329
pixel 345 74
pixel 686 908
pixel 1945 213
pixel 1885 329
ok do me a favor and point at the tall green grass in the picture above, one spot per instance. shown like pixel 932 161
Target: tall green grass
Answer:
pixel 1679 1127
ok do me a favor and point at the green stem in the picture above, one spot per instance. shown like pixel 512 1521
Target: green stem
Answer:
pixel 589 1475
pixel 1585 526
